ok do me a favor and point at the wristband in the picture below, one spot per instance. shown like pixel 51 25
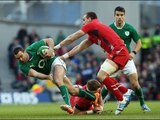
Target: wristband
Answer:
pixel 58 46
pixel 65 56
pixel 134 52
pixel 89 111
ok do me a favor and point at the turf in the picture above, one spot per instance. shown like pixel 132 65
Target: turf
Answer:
pixel 52 111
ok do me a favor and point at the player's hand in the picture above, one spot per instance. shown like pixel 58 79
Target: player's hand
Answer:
pixel 97 95
pixel 49 53
pixel 62 57
pixel 56 47
pixel 98 109
pixel 50 77
pixel 131 56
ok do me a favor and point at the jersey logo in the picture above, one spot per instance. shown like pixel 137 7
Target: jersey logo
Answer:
pixel 127 33
pixel 32 65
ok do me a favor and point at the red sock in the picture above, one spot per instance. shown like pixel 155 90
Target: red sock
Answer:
pixel 111 86
pixel 120 86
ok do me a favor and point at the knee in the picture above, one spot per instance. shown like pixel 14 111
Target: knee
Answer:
pixel 73 91
pixel 101 76
pixel 135 84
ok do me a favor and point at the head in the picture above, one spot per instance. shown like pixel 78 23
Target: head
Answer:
pixel 20 54
pixel 89 16
pixel 93 86
pixel 119 14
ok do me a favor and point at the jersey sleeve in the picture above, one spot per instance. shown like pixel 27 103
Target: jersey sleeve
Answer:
pixel 86 28
pixel 135 35
pixel 24 68
pixel 35 46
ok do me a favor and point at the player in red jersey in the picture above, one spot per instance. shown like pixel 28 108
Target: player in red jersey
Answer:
pixel 110 42
pixel 82 105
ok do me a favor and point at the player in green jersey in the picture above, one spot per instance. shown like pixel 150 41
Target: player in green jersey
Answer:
pixel 128 33
pixel 50 67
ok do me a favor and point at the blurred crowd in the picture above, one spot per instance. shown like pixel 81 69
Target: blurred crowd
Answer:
pixel 85 65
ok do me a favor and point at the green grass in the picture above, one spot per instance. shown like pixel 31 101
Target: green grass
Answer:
pixel 52 111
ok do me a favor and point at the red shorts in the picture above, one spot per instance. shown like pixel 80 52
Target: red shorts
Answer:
pixel 120 58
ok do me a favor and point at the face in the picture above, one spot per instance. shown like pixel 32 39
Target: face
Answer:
pixel 119 16
pixel 86 20
pixel 22 56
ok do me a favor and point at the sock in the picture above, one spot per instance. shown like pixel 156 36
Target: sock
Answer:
pixel 140 95
pixel 86 94
pixel 104 92
pixel 120 86
pixel 65 94
pixel 111 86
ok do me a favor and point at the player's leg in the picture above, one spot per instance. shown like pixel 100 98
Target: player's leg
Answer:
pixel 58 79
pixel 58 72
pixel 131 72
pixel 104 92
pixel 78 91
pixel 107 68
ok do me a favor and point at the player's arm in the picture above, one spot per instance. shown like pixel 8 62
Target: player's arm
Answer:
pixel 138 46
pixel 136 49
pixel 50 42
pixel 70 39
pixel 79 112
pixel 99 107
pixel 83 45
pixel 34 73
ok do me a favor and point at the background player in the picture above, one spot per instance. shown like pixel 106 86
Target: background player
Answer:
pixel 128 33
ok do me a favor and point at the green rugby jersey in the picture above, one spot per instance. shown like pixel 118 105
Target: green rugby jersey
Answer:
pixel 36 62
pixel 127 33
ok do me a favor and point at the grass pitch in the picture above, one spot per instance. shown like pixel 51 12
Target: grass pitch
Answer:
pixel 53 111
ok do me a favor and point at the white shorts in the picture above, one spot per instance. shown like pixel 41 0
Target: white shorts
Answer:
pixel 108 67
pixel 129 68
pixel 58 61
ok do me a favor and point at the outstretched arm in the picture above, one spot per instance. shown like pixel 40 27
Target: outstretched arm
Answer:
pixel 71 38
pixel 83 45
pixel 34 73
pixel 50 42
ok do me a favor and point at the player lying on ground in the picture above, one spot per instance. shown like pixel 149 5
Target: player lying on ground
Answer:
pixel 85 106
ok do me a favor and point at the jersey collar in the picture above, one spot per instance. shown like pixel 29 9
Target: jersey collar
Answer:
pixel 119 27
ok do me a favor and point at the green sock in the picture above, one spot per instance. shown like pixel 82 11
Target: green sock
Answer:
pixel 140 95
pixel 104 92
pixel 86 94
pixel 65 94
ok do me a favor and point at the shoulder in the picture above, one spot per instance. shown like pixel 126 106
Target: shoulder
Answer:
pixel 111 25
pixel 129 26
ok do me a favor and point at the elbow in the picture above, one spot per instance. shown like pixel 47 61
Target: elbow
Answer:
pixel 70 38
pixel 32 74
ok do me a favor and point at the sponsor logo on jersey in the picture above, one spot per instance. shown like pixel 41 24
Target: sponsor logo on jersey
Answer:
pixel 127 33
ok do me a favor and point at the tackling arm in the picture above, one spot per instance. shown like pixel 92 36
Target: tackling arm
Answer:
pixel 71 38
pixel 83 45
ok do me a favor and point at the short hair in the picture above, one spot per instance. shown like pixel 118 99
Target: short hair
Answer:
pixel 17 49
pixel 93 85
pixel 119 8
pixel 91 15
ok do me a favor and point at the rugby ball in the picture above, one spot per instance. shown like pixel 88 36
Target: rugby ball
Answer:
pixel 42 50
